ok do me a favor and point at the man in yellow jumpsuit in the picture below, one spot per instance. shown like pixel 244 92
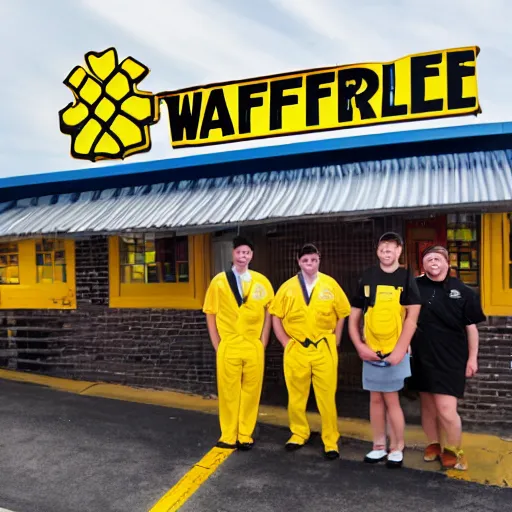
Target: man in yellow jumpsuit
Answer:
pixel 308 314
pixel 236 307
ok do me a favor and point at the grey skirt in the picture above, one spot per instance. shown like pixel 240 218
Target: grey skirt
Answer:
pixel 386 379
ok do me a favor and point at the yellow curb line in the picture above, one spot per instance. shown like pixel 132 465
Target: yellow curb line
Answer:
pixel 490 457
pixel 192 480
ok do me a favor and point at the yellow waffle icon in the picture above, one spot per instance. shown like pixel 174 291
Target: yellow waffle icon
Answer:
pixel 110 117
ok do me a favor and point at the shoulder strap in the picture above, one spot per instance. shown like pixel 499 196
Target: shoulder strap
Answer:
pixel 372 285
pixel 302 283
pixel 230 275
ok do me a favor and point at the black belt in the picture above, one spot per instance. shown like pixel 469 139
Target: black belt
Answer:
pixel 308 342
pixel 383 356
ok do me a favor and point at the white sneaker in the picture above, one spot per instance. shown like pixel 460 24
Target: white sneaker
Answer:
pixel 395 459
pixel 375 456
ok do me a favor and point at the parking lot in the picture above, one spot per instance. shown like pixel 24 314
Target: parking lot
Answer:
pixel 62 452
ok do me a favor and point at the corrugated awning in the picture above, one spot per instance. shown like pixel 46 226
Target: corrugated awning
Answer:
pixel 348 189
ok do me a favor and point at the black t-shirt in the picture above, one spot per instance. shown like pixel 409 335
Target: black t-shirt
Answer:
pixel 383 297
pixel 448 307
pixel 440 345
pixel 375 276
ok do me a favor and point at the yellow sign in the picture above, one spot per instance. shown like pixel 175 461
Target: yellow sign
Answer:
pixel 110 117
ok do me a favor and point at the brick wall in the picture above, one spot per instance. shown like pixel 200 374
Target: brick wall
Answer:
pixel 142 347
pixel 171 349
pixel 488 396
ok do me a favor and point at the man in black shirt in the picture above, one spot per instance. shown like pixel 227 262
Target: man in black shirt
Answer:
pixel 445 351
pixel 389 300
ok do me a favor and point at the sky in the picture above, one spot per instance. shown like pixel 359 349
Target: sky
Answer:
pixel 192 42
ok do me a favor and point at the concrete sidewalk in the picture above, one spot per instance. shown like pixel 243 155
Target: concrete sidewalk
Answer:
pixel 490 456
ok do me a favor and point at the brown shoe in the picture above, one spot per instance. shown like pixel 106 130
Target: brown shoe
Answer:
pixel 454 459
pixel 432 452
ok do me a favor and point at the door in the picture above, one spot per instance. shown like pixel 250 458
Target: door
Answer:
pixel 420 234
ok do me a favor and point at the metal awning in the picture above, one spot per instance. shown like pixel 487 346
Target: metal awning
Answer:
pixel 480 179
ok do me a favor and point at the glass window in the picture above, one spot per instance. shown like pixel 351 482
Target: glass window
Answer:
pixel 50 261
pixel 462 235
pixel 9 263
pixel 147 258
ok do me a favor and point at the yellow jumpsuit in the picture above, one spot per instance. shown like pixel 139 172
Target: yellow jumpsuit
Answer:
pixel 316 363
pixel 240 356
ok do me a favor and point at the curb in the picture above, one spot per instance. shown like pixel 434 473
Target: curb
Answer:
pixel 490 456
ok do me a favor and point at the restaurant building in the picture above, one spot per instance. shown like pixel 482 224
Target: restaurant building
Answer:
pixel 103 272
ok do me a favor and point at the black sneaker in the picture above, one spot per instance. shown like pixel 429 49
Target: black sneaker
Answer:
pixel 244 447
pixel 332 455
pixel 227 446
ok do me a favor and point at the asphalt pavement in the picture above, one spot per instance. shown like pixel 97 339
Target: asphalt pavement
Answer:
pixel 63 452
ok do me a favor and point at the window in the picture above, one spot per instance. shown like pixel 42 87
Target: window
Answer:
pixel 462 238
pixel 149 270
pixel 150 259
pixel 497 264
pixel 37 274
pixel 51 261
pixel 9 264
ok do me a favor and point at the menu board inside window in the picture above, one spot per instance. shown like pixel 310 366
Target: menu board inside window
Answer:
pixel 463 241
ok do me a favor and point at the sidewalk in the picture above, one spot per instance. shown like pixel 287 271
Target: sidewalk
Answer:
pixel 490 456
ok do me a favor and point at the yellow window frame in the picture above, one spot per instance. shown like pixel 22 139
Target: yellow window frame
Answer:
pixel 163 295
pixel 496 291
pixel 30 294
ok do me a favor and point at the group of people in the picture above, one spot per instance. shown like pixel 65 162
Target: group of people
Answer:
pixel 422 329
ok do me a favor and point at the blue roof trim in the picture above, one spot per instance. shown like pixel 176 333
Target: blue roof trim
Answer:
pixel 267 152
pixel 362 148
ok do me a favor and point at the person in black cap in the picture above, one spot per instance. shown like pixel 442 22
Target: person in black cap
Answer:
pixel 389 300
pixel 236 307
pixel 308 315
pixel 445 353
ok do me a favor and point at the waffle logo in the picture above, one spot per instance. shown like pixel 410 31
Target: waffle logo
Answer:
pixel 111 118
pixel 259 292
pixel 326 294
pixel 455 294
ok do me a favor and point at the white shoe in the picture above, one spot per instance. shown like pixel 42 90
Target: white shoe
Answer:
pixel 375 456
pixel 395 459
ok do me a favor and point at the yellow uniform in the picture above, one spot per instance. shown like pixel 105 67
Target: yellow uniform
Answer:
pixel 311 355
pixel 240 356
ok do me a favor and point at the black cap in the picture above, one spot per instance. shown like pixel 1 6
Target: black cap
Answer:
pixel 439 249
pixel 307 249
pixel 240 240
pixel 391 236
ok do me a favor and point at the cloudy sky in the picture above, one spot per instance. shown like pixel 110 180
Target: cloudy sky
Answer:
pixel 190 42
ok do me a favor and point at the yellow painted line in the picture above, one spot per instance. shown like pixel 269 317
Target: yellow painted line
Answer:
pixel 192 480
pixel 490 457
pixel 73 386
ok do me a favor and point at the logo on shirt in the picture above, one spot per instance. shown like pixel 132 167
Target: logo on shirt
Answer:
pixel 326 295
pixel 259 292
pixel 455 294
